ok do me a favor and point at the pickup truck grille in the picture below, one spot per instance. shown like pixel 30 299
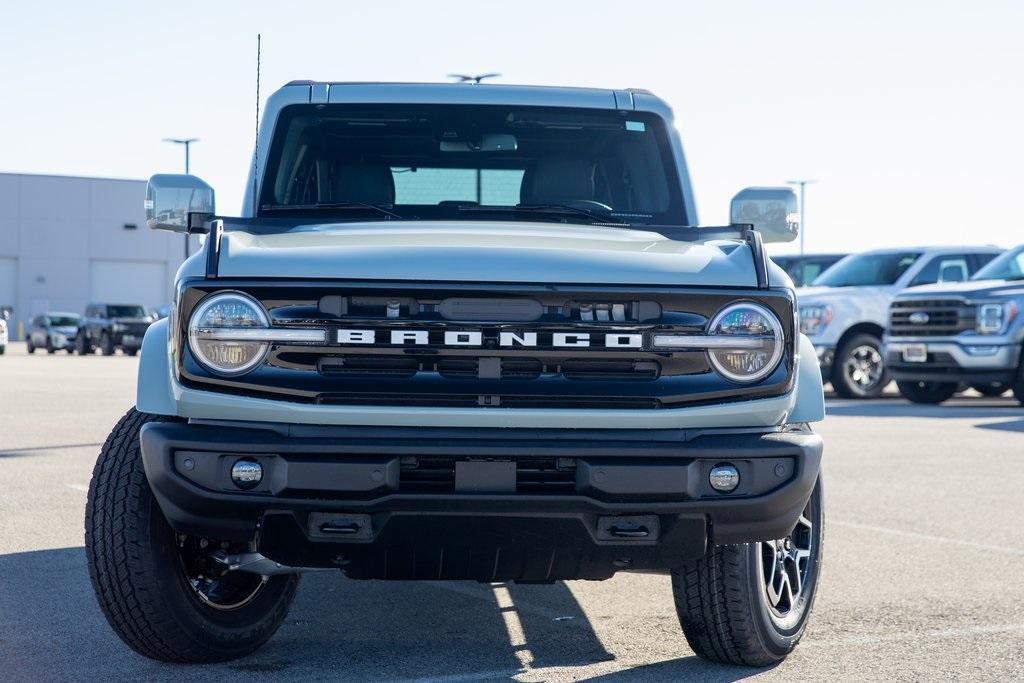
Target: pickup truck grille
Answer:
pixel 487 346
pixel 930 317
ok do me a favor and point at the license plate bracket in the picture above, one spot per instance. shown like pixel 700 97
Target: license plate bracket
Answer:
pixel 915 353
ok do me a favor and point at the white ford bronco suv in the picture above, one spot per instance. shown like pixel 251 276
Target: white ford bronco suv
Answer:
pixel 465 332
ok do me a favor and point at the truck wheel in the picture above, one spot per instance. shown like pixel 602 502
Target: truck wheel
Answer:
pixel 50 348
pixel 159 590
pixel 130 352
pixel 82 345
pixel 748 604
pixel 990 390
pixel 28 345
pixel 1018 384
pixel 859 369
pixel 106 345
pixel 927 392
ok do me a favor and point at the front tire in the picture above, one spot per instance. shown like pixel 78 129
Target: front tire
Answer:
pixel 82 345
pixel 141 570
pixel 928 393
pixel 859 370
pixel 748 604
pixel 107 345
pixel 990 390
pixel 28 345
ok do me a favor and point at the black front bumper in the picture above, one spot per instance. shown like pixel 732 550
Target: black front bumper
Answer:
pixel 476 503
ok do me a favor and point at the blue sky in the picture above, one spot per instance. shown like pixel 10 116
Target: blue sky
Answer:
pixel 909 114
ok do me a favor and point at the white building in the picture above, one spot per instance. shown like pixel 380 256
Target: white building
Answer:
pixel 66 241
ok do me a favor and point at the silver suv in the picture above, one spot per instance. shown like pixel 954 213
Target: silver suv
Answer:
pixel 846 310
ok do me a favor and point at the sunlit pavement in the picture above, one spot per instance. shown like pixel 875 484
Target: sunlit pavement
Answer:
pixel 922 579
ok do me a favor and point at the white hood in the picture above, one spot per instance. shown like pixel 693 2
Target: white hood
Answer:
pixel 485 252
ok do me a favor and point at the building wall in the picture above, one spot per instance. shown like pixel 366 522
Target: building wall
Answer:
pixel 60 234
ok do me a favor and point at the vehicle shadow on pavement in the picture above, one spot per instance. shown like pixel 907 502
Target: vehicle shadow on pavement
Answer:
pixel 52 629
pixel 683 669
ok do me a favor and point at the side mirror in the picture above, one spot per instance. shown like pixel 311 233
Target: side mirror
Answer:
pixel 772 211
pixel 170 198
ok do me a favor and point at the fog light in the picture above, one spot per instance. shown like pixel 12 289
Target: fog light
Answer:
pixel 246 473
pixel 724 477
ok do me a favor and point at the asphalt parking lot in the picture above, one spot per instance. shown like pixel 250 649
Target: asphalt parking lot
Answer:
pixel 922 578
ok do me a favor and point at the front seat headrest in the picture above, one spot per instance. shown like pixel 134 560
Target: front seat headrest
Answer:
pixel 557 180
pixel 363 183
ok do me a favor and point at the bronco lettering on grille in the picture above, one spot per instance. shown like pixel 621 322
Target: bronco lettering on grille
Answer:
pixel 475 338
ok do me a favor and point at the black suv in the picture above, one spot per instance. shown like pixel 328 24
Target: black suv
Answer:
pixel 109 327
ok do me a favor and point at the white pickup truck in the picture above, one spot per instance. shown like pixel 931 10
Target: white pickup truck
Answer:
pixel 846 310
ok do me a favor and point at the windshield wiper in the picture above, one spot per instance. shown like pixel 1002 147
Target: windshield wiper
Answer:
pixel 552 209
pixel 332 206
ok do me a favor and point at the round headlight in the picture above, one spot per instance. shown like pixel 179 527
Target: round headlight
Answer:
pixel 758 338
pixel 216 333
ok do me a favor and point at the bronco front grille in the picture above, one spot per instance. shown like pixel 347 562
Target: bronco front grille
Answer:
pixel 930 317
pixel 488 346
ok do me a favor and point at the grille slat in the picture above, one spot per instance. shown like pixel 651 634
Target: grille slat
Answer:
pixel 533 475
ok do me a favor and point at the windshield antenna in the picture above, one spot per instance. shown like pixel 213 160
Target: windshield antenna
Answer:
pixel 256 147
pixel 474 80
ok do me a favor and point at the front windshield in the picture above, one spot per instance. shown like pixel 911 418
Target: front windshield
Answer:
pixel 463 162
pixel 63 320
pixel 1007 266
pixel 868 269
pixel 126 312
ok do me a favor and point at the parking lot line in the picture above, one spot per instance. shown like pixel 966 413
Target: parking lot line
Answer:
pixel 929 537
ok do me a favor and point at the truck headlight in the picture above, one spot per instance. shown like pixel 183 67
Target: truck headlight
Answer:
pixel 994 318
pixel 814 319
pixel 220 333
pixel 117 327
pixel 744 342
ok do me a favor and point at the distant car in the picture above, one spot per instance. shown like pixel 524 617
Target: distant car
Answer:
pixel 4 315
pixel 109 327
pixel 53 332
pixel 847 309
pixel 804 270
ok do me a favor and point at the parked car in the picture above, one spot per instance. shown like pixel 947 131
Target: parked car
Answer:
pixel 945 336
pixel 5 315
pixel 846 310
pixel 109 327
pixel 803 270
pixel 372 373
pixel 53 332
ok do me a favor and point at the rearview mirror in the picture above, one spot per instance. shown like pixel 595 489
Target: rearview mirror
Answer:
pixel 771 210
pixel 952 272
pixel 489 142
pixel 170 198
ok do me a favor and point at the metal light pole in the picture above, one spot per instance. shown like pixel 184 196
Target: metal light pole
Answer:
pixel 187 142
pixel 803 212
